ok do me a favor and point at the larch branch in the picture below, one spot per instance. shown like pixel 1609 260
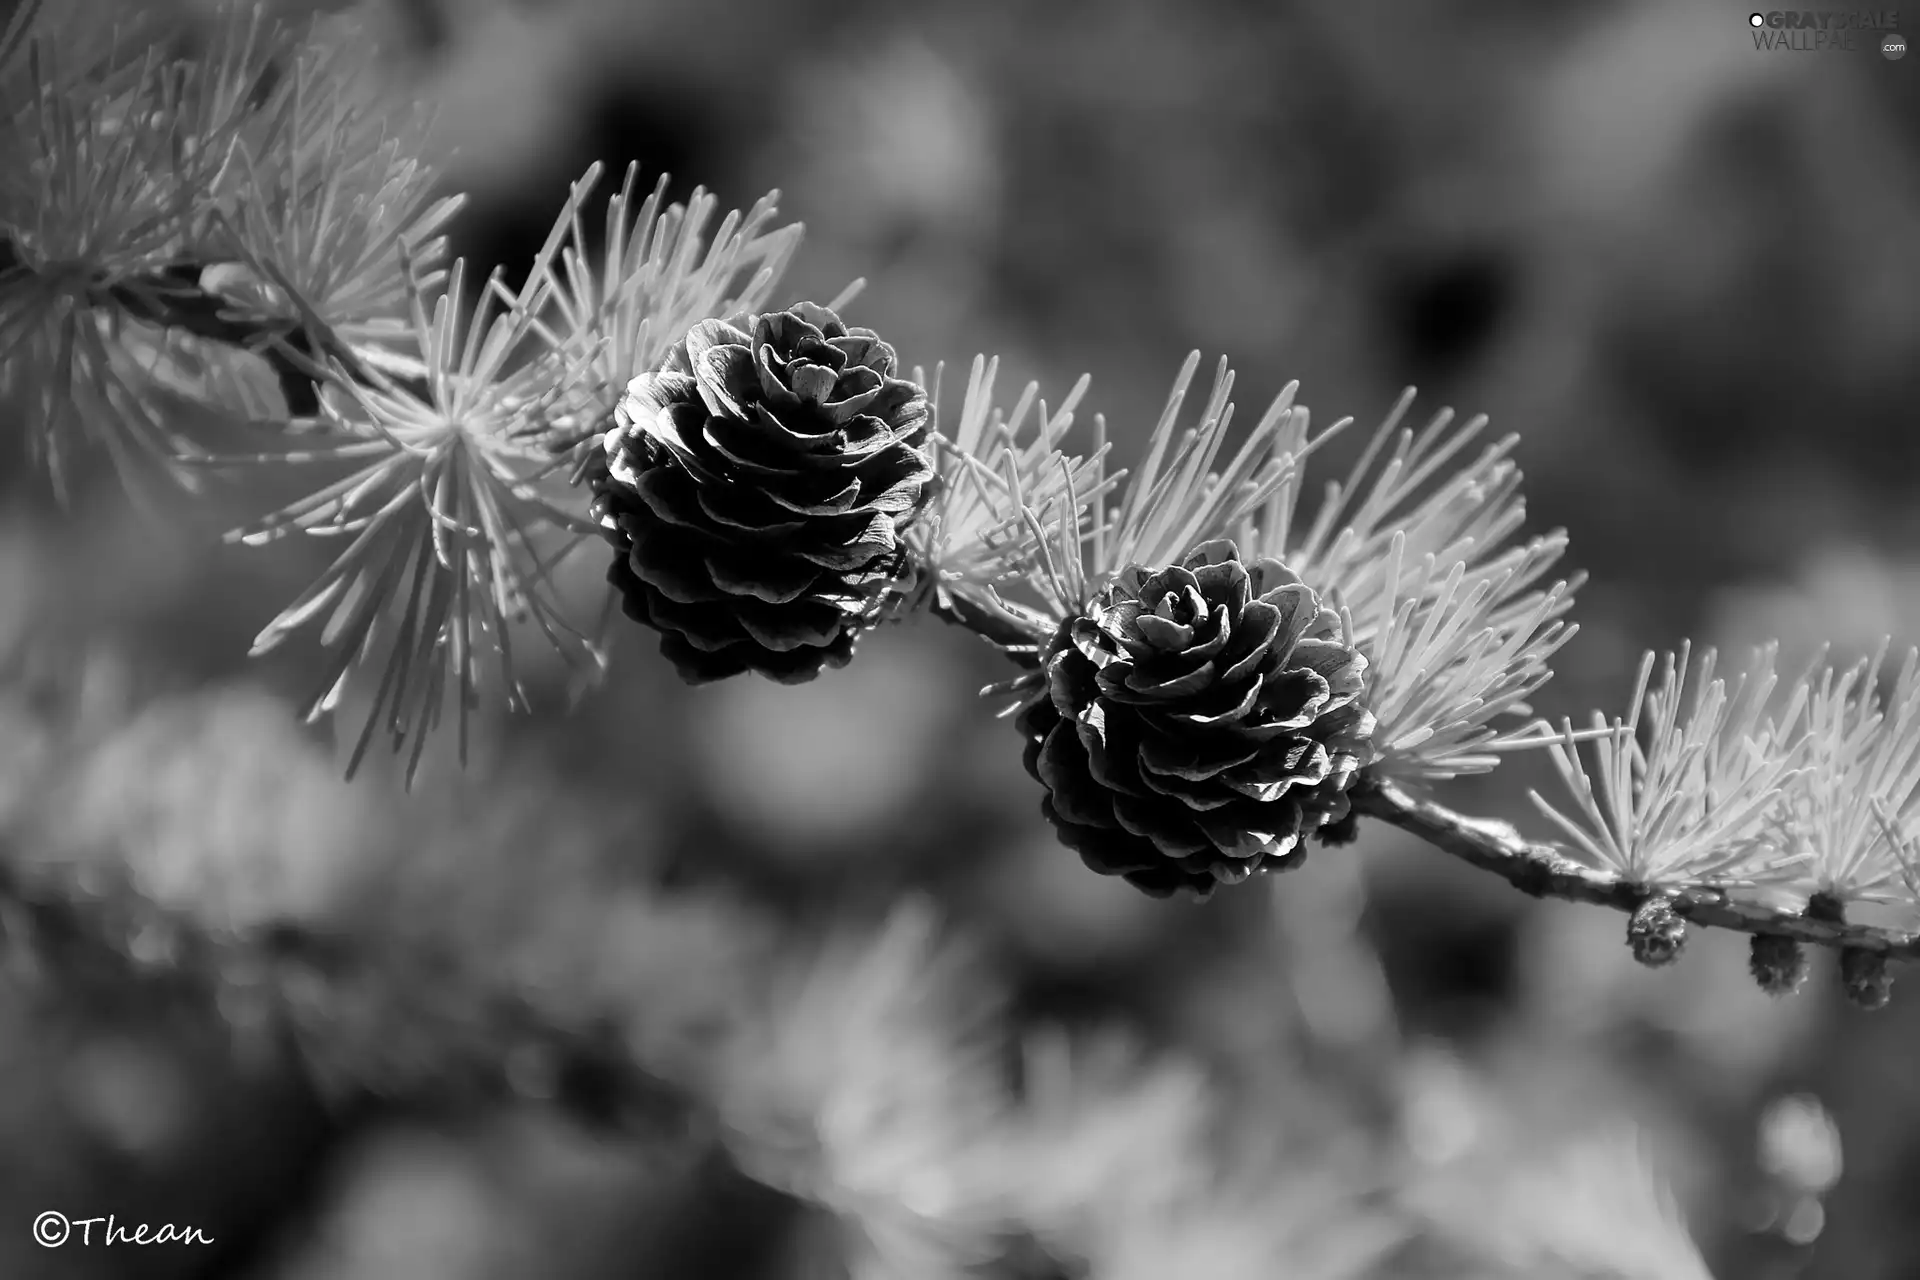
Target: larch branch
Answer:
pixel 1546 872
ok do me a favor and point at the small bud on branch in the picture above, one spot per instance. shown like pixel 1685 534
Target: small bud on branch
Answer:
pixel 1545 872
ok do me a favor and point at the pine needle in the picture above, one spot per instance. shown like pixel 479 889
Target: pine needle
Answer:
pixel 1862 781
pixel 13 37
pixel 97 179
pixel 1688 786
pixel 1449 652
pixel 613 314
pixel 119 168
pixel 113 168
pixel 331 204
pixel 1456 630
pixel 1176 499
pixel 1455 625
pixel 442 508
pixel 999 469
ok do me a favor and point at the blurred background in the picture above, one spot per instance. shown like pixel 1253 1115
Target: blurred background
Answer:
pixel 1682 268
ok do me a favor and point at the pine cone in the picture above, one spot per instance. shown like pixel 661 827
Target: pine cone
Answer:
pixel 1199 720
pixel 755 487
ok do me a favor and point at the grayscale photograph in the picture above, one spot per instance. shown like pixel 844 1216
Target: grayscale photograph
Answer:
pixel 959 640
